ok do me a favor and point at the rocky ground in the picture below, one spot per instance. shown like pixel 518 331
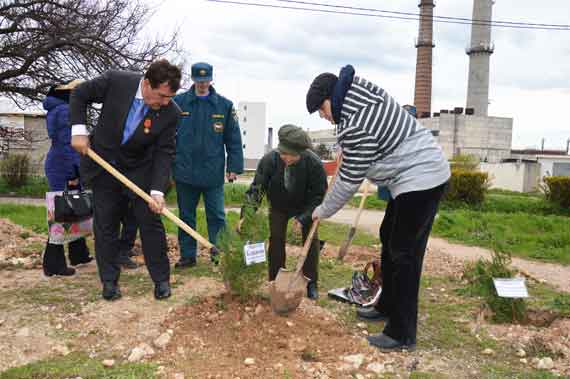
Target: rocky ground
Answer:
pixel 201 333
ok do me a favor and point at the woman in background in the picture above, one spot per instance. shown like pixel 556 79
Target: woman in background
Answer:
pixel 62 170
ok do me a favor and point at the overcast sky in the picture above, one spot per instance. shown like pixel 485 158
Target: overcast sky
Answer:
pixel 272 55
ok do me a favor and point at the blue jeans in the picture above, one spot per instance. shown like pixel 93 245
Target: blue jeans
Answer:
pixel 188 198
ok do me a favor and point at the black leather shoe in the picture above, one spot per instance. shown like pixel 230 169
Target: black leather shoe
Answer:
pixel 68 271
pixel 370 314
pixel 185 262
pixel 387 344
pixel 127 262
pixel 312 291
pixel 111 291
pixel 161 290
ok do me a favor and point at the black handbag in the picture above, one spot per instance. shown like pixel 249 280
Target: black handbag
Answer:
pixel 73 206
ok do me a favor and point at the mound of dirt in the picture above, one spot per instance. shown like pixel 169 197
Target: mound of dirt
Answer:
pixel 227 339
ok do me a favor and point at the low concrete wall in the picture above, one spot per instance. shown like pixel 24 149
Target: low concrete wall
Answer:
pixel 520 177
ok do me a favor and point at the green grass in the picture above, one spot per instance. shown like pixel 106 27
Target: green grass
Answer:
pixel 500 371
pixel 65 295
pixel 371 202
pixel 498 191
pixel 335 234
pixel 495 201
pixel 545 297
pixel 36 187
pixel 29 216
pixel 234 195
pixel 438 326
pixel 427 375
pixel 79 365
pixel 504 203
pixel 544 238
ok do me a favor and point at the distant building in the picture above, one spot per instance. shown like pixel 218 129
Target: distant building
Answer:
pixel 526 169
pixel 252 121
pixel 24 132
pixel 488 138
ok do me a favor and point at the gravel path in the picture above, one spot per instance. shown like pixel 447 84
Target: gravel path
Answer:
pixel 553 274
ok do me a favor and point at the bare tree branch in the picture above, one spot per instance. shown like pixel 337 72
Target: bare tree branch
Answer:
pixel 53 41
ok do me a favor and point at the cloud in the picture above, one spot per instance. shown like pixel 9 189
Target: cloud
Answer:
pixel 273 55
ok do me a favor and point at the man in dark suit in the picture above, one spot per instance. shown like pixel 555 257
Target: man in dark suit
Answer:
pixel 136 134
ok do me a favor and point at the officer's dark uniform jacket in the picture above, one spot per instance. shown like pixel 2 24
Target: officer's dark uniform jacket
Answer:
pixel 207 129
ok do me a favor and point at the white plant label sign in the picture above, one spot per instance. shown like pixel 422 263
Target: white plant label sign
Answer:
pixel 512 288
pixel 254 253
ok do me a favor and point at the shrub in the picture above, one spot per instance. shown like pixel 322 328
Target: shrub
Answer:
pixel 15 169
pixel 241 279
pixel 557 190
pixel 465 162
pixel 480 276
pixel 467 186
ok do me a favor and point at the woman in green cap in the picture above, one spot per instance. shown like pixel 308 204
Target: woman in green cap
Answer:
pixel 295 182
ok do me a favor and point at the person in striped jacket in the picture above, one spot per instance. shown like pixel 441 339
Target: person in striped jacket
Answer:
pixel 383 143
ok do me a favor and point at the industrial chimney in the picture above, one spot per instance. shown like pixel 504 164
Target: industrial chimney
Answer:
pixel 479 55
pixel 424 44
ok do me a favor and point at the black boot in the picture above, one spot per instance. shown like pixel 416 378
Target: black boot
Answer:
pixel 54 261
pixel 78 252
pixel 111 290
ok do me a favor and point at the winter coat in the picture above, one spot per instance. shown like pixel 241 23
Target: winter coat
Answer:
pixel 206 130
pixel 62 161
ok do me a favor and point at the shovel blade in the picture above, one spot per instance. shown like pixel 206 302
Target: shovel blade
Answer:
pixel 287 291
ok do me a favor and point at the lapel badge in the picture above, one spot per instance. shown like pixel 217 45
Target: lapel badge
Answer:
pixel 147 124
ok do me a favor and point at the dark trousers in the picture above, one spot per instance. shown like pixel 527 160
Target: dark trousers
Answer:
pixel 128 229
pixel 404 235
pixel 109 199
pixel 277 239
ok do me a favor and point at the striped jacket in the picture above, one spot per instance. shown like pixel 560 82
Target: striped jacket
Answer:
pixel 382 142
pixel 372 125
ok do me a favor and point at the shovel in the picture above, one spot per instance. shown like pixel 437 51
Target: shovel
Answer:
pixel 133 187
pixel 344 248
pixel 289 287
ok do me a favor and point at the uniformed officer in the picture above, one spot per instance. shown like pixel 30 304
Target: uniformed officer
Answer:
pixel 207 130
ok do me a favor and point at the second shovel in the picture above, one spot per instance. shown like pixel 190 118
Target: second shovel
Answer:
pixel 346 244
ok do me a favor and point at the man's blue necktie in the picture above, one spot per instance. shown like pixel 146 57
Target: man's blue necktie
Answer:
pixel 134 118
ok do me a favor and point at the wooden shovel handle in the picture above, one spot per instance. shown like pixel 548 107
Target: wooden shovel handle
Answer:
pixel 133 187
pixel 315 225
pixel 362 201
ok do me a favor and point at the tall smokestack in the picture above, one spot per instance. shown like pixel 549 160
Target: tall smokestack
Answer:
pixel 479 55
pixel 425 45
